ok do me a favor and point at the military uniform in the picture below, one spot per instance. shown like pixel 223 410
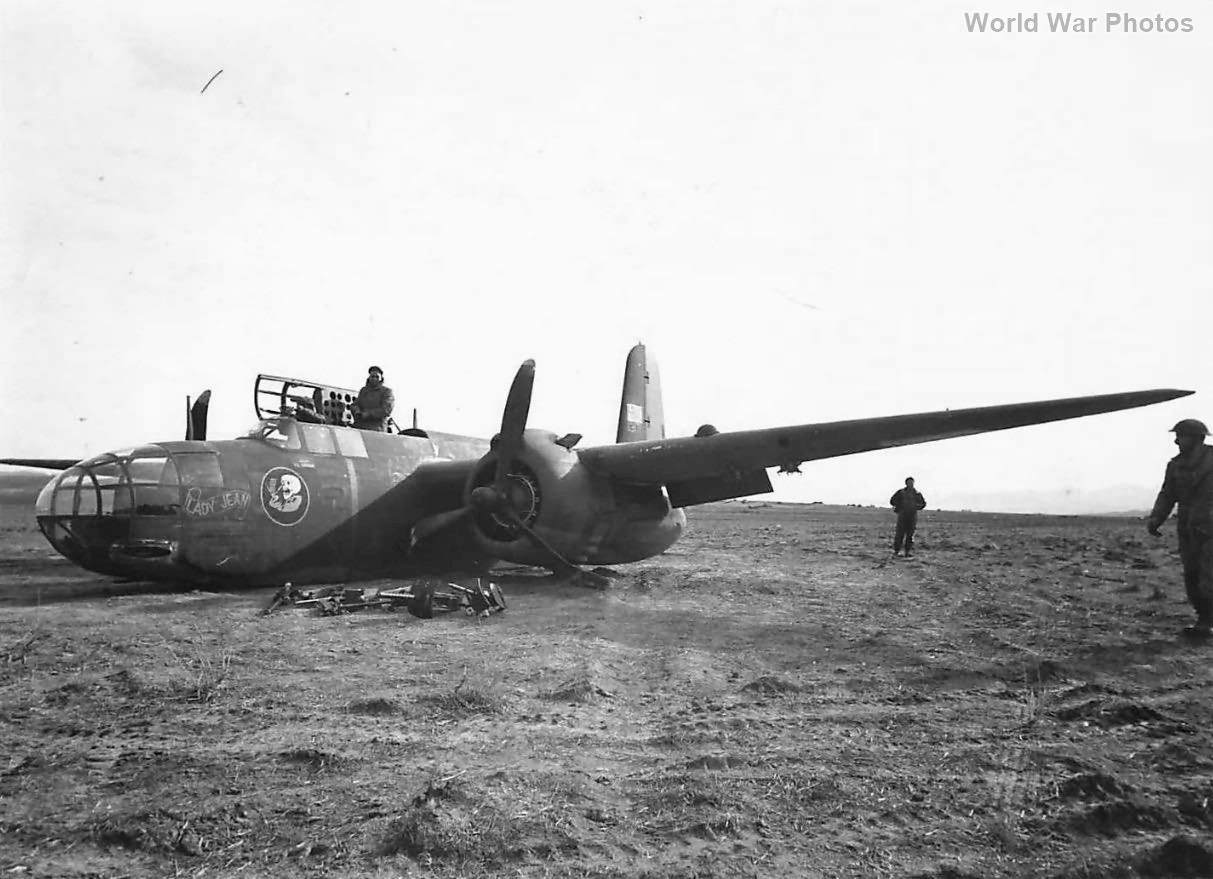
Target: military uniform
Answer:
pixel 1189 484
pixel 373 407
pixel 906 502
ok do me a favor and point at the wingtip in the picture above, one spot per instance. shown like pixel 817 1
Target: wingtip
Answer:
pixel 1158 395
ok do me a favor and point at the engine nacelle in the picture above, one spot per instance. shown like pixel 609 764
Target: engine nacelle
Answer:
pixel 586 518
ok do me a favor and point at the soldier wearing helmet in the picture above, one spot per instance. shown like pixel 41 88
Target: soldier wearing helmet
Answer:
pixel 1189 484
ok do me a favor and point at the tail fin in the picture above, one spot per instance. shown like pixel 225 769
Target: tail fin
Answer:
pixel 640 415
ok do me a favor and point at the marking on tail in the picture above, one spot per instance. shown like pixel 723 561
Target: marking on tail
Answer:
pixel 640 413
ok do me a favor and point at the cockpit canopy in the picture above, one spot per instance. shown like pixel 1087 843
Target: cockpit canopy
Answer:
pixel 281 432
pixel 307 400
pixel 320 439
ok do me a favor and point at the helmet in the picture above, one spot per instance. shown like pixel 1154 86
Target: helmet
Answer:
pixel 1190 427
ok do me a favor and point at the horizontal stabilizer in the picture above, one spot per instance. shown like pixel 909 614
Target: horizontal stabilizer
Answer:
pixel 686 459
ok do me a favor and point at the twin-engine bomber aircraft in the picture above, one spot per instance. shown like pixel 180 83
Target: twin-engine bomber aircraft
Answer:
pixel 307 498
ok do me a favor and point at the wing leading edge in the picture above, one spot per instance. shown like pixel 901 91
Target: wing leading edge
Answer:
pixel 701 468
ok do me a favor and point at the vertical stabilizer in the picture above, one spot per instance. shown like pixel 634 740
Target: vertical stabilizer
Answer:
pixel 640 415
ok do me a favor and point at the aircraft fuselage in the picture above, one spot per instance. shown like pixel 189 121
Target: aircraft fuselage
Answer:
pixel 320 503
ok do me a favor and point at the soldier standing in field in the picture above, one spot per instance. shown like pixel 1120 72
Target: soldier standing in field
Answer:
pixel 1188 484
pixel 906 502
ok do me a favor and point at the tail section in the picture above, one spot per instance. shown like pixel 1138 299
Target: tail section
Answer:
pixel 640 415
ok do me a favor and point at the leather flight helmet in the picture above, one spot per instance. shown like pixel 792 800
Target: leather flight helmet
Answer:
pixel 1190 427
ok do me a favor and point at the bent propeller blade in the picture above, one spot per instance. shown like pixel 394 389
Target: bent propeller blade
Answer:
pixel 197 416
pixel 514 418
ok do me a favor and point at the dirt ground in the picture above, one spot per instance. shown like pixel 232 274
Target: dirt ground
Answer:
pixel 776 696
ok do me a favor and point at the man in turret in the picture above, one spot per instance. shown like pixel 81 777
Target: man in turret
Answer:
pixel 374 404
pixel 1188 484
pixel 906 502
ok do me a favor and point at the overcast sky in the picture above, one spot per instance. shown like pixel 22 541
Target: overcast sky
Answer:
pixel 808 212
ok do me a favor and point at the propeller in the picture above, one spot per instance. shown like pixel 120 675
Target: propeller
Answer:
pixel 503 498
pixel 492 499
pixel 513 421
pixel 195 416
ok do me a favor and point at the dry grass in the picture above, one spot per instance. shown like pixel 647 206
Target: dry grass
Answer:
pixel 773 698
pixel 201 669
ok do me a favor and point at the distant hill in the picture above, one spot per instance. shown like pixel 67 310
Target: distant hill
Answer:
pixel 1111 500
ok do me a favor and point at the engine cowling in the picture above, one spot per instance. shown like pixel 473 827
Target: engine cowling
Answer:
pixel 582 516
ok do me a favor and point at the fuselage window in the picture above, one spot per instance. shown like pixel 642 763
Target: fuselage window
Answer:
pixel 152 471
pixel 156 500
pixel 283 433
pixel 154 481
pixel 318 438
pixel 350 442
pixel 199 468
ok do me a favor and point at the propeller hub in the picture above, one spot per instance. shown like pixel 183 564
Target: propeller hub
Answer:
pixel 513 501
pixel 487 499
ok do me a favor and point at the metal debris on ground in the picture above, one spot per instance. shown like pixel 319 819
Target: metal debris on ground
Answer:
pixel 422 599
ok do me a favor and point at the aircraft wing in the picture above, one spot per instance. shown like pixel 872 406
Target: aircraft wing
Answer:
pixel 43 463
pixel 700 469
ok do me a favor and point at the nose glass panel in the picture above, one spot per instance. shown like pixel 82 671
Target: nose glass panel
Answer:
pixel 84 511
pixel 142 482
pixel 58 497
